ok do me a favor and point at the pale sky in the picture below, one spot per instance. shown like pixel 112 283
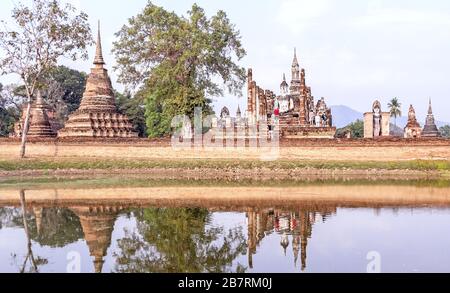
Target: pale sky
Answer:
pixel 353 51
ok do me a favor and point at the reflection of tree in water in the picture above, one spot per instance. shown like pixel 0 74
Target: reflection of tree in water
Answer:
pixel 10 217
pixel 55 227
pixel 179 240
pixel 34 261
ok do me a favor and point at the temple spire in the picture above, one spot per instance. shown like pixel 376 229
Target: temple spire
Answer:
pixel 295 71
pixel 39 100
pixel 430 129
pixel 284 86
pixel 295 62
pixel 98 52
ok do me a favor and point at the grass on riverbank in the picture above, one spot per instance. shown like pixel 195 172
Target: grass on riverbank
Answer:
pixel 190 164
pixel 144 182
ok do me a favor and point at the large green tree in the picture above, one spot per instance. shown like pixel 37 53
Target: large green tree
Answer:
pixel 133 107
pixel 445 131
pixel 8 112
pixel 43 32
pixel 12 97
pixel 70 85
pixel 180 62
pixel 62 88
pixel 356 129
pixel 4 115
pixel 6 121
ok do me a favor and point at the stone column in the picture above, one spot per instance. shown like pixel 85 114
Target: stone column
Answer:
pixel 368 125
pixel 385 124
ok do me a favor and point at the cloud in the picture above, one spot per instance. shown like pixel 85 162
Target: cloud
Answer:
pixel 298 15
pixel 377 17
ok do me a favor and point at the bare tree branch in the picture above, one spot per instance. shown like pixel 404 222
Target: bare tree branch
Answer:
pixel 43 32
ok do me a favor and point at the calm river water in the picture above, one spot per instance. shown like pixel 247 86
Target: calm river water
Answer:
pixel 136 225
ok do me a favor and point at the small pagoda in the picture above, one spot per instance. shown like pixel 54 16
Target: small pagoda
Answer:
pixel 430 129
pixel 40 126
pixel 98 115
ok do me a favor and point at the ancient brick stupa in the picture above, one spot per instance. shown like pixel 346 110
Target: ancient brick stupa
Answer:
pixel 39 123
pixel 98 115
pixel 412 129
pixel 430 129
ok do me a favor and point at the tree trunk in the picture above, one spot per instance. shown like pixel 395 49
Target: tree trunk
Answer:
pixel 24 211
pixel 27 233
pixel 25 129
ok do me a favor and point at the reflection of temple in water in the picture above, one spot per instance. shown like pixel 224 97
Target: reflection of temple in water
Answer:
pixel 97 223
pixel 291 221
pixel 294 228
pixel 38 216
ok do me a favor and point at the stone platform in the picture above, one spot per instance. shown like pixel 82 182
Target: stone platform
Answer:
pixel 303 132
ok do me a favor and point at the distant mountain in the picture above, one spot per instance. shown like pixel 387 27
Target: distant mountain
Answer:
pixel 396 130
pixel 343 116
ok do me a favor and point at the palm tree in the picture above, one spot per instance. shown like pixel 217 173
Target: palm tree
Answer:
pixel 395 109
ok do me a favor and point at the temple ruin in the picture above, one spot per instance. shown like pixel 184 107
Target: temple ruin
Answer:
pixel 412 128
pixel 42 123
pixel 98 115
pixel 294 113
pixel 377 123
pixel 292 227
